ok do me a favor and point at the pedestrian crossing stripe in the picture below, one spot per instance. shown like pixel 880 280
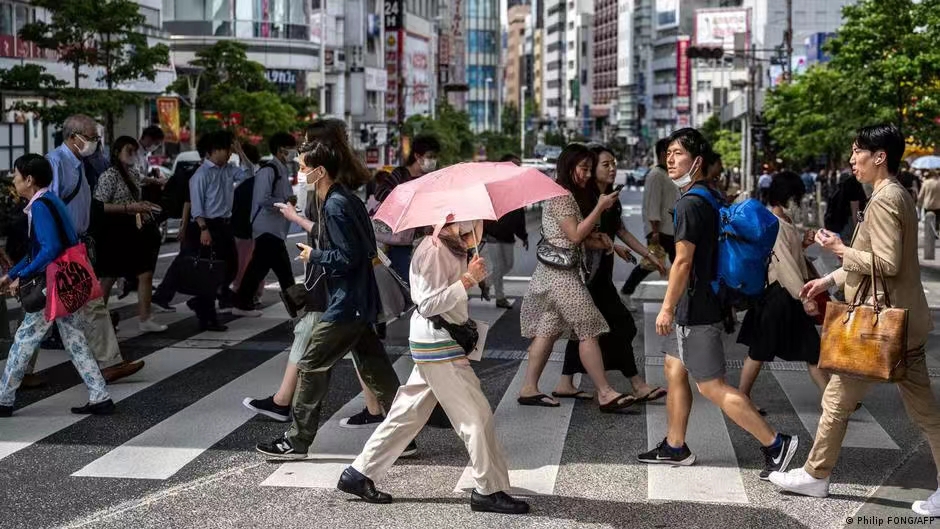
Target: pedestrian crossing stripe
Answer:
pixel 534 439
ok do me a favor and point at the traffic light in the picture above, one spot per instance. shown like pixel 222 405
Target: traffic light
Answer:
pixel 364 135
pixel 700 52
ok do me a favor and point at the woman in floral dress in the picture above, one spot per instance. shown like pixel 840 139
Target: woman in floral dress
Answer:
pixel 558 304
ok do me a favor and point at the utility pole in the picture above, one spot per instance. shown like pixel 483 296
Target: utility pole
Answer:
pixel 322 57
pixel 522 91
pixel 788 42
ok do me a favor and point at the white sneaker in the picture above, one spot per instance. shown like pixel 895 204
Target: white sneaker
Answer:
pixel 931 507
pixel 246 313
pixel 800 482
pixel 152 326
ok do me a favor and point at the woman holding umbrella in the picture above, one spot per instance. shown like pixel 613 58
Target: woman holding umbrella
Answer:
pixel 558 304
pixel 440 279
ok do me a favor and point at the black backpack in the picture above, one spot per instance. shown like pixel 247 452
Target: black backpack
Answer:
pixel 242 216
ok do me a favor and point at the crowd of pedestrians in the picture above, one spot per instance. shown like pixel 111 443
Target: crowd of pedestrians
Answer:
pixel 236 213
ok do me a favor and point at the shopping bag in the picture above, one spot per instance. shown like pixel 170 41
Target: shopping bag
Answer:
pixel 70 283
pixel 394 295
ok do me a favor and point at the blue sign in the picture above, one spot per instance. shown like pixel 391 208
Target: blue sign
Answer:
pixel 814 48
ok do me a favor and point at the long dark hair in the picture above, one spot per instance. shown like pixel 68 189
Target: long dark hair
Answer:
pixel 352 172
pixel 572 155
pixel 116 148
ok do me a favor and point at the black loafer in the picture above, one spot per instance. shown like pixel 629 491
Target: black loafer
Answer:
pixel 6 411
pixel 499 502
pixel 100 408
pixel 213 327
pixel 353 482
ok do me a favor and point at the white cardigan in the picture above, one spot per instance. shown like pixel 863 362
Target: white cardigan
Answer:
pixel 437 290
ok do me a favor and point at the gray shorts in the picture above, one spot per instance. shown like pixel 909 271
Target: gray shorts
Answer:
pixel 700 349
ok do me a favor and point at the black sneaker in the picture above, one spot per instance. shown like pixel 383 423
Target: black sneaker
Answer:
pixel 363 419
pixel 268 408
pixel 411 450
pixel 666 455
pixel 280 448
pixel 778 460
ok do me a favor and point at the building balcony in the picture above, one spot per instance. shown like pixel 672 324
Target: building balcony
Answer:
pixel 664 89
pixel 664 114
pixel 666 63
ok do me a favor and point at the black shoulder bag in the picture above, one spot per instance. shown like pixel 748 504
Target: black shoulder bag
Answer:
pixel 465 334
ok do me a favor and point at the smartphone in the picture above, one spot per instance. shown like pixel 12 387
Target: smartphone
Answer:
pixel 301 246
pixel 619 188
pixel 280 205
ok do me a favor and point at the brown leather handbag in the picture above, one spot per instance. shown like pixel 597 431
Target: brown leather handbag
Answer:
pixel 865 341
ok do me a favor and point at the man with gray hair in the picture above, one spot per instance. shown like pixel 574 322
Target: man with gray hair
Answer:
pixel 80 139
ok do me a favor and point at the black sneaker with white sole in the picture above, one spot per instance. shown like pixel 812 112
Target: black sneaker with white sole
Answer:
pixel 280 448
pixel 268 408
pixel 411 450
pixel 778 460
pixel 363 419
pixel 664 454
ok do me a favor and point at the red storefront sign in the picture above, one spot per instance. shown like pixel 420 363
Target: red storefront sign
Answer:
pixel 683 75
pixel 372 156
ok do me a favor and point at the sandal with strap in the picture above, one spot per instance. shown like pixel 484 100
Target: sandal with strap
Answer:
pixel 537 400
pixel 620 403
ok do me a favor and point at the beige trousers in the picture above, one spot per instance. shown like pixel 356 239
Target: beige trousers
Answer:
pixel 844 393
pixel 457 388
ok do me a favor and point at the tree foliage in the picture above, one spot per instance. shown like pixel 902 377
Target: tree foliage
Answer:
pixel 884 68
pixel 102 34
pixel 451 128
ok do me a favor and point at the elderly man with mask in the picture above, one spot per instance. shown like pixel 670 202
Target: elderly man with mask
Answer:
pixel 70 183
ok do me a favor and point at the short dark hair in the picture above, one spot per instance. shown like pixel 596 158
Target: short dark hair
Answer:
pixel 202 145
pixel 693 141
pixel 599 148
pixel 710 159
pixel 154 132
pixel 661 147
pixel 218 141
pixel 320 153
pixel 252 153
pixel 281 140
pixel 883 137
pixel 421 146
pixel 36 166
pixel 510 157
pixel 784 186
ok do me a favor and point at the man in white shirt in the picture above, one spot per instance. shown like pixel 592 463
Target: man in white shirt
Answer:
pixel 659 199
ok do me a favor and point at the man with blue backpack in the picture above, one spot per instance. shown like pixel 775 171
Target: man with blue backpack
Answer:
pixel 720 253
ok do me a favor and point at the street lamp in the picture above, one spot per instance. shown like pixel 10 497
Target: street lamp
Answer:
pixel 486 104
pixel 193 85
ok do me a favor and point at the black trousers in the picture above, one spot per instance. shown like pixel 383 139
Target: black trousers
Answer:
pixel 639 273
pixel 223 246
pixel 270 253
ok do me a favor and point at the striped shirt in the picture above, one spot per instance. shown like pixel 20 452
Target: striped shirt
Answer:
pixel 444 351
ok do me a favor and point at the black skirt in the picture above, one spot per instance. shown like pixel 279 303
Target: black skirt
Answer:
pixel 778 327
pixel 123 250
pixel 617 345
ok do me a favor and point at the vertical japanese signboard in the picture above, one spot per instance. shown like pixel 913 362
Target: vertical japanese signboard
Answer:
pixel 168 110
pixel 683 75
pixel 394 17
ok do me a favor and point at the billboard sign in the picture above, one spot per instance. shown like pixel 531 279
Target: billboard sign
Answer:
pixel 667 14
pixel 416 66
pixel 683 74
pixel 716 28
pixel 625 42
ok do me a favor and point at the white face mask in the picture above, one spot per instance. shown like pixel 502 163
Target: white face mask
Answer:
pixel 89 148
pixel 428 165
pixel 685 179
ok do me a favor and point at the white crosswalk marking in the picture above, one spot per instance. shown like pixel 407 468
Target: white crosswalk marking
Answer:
pixel 163 450
pixel 533 466
pixel 41 419
pixel 863 430
pixel 129 328
pixel 334 447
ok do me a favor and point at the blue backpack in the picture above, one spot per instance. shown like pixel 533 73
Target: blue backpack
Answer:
pixel 747 232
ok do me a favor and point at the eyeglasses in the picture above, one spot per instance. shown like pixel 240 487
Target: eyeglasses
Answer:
pixel 88 138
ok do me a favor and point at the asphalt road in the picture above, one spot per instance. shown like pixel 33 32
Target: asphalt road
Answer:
pixel 180 450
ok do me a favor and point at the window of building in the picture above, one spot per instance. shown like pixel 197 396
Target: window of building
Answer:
pixel 6 19
pixel 570 64
pixel 151 17
pixel 584 77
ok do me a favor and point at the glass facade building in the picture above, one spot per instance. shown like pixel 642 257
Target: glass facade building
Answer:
pixel 262 19
pixel 482 59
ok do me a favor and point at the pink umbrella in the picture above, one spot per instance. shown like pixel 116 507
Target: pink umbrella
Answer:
pixel 466 191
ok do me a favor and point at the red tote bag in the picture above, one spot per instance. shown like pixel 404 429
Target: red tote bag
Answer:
pixel 70 283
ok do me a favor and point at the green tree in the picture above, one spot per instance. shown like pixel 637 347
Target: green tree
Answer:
pixel 710 129
pixel 451 128
pixel 889 50
pixel 101 34
pixel 727 144
pixel 265 113
pixel 817 115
